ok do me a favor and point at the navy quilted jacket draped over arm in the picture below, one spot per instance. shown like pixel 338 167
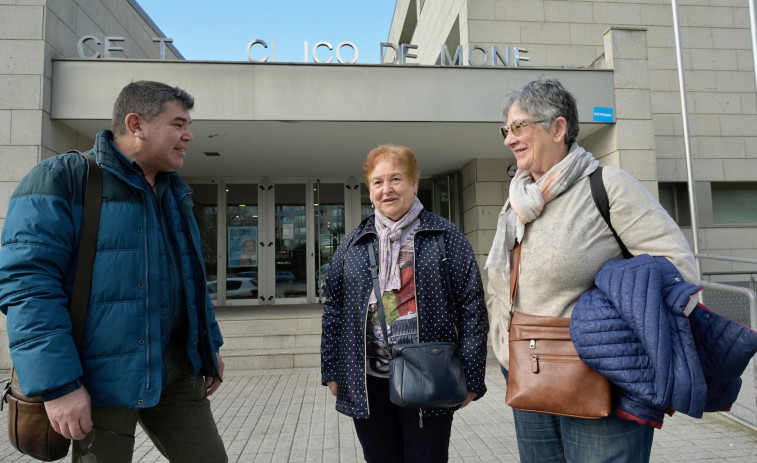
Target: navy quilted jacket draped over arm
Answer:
pixel 632 329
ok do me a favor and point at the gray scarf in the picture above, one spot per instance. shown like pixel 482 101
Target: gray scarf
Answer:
pixel 528 198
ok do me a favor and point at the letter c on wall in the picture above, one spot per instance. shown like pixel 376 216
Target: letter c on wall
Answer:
pixel 80 46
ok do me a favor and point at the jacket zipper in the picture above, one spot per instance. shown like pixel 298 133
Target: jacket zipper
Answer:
pixel 365 340
pixel 147 288
pixel 418 306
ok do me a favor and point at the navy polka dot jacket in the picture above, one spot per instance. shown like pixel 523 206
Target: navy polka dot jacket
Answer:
pixel 349 286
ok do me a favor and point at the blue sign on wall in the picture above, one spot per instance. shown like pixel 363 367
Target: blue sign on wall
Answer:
pixel 603 114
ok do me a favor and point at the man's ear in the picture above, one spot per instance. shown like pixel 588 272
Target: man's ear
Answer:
pixel 561 129
pixel 134 125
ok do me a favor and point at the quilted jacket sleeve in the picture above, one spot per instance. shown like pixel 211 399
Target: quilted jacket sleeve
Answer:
pixel 473 320
pixel 331 321
pixel 35 269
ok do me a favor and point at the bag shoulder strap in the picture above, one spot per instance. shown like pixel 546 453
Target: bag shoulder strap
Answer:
pixel 377 289
pixel 87 249
pixel 379 296
pixel 601 200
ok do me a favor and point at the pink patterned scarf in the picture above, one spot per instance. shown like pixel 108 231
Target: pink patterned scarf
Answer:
pixel 389 233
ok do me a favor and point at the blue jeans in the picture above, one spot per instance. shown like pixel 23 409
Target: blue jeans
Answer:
pixel 551 438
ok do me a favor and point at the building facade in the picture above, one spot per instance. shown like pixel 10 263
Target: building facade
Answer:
pixel 278 150
pixel 636 40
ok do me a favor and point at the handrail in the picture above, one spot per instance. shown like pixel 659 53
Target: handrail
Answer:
pixel 732 272
pixel 743 260
pixel 751 295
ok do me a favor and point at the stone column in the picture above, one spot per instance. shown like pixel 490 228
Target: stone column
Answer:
pixel 629 143
pixel 484 188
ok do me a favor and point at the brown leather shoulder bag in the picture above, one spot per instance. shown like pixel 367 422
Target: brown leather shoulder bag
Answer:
pixel 546 375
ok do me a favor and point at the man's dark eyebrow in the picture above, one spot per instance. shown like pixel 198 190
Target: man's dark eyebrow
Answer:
pixel 181 119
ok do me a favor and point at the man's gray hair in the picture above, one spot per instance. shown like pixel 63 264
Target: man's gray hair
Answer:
pixel 146 98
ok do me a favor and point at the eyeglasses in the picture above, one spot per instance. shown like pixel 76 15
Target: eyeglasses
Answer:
pixel 516 128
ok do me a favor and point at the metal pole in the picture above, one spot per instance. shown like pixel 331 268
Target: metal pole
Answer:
pixel 753 31
pixel 685 117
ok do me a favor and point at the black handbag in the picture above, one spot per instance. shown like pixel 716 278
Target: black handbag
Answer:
pixel 29 428
pixel 426 374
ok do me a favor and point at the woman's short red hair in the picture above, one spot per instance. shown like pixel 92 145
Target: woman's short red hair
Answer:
pixel 401 154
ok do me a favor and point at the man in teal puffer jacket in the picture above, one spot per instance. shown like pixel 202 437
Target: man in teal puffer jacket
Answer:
pixel 150 334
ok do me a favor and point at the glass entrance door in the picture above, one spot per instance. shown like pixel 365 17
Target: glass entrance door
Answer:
pixel 329 213
pixel 242 244
pixel 270 241
pixel 290 243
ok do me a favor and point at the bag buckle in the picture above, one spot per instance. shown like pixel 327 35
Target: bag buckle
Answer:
pixel 4 397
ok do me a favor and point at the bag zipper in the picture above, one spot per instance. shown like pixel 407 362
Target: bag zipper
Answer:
pixel 555 358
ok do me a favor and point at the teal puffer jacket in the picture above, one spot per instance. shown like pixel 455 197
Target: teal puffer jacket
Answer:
pixel 121 361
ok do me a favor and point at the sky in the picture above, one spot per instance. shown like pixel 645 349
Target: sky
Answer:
pixel 220 30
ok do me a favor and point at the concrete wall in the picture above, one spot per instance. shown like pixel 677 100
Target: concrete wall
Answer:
pixel 32 34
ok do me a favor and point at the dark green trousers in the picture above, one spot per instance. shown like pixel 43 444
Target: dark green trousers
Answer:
pixel 181 425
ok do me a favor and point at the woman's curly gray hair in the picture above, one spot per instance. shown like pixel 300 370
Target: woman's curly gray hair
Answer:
pixel 546 99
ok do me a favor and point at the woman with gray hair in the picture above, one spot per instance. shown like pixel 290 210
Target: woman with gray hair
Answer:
pixel 550 222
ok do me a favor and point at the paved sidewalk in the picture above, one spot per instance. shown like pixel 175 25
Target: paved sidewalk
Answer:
pixel 287 416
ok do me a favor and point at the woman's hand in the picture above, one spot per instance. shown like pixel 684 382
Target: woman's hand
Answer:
pixel 471 395
pixel 334 388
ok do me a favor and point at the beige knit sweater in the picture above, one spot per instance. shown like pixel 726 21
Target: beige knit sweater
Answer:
pixel 565 247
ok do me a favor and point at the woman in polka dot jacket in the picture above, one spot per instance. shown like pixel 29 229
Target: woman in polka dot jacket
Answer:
pixel 418 309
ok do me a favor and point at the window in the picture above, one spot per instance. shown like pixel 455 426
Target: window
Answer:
pixel 674 197
pixel 734 202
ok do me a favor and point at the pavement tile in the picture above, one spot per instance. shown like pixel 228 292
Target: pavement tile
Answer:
pixel 287 416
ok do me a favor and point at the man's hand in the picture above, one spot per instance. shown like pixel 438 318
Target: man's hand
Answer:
pixel 471 395
pixel 211 383
pixel 333 387
pixel 71 414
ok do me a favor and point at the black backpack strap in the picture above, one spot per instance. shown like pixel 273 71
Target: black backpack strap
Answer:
pixel 87 250
pixel 599 193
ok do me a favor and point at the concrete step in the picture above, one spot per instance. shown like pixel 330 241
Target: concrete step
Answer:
pixel 257 325
pixel 271 359
pixel 272 340
pixel 270 337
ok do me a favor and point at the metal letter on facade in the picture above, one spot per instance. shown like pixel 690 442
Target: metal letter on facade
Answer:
pixel 495 55
pixel 406 54
pixel 315 51
pixel 80 46
pixel 382 52
pixel 109 47
pixel 346 44
pixel 249 49
pixel 163 42
pixel 470 53
pixel 445 53
pixel 517 58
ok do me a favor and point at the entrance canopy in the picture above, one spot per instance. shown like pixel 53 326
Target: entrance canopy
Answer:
pixel 321 120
